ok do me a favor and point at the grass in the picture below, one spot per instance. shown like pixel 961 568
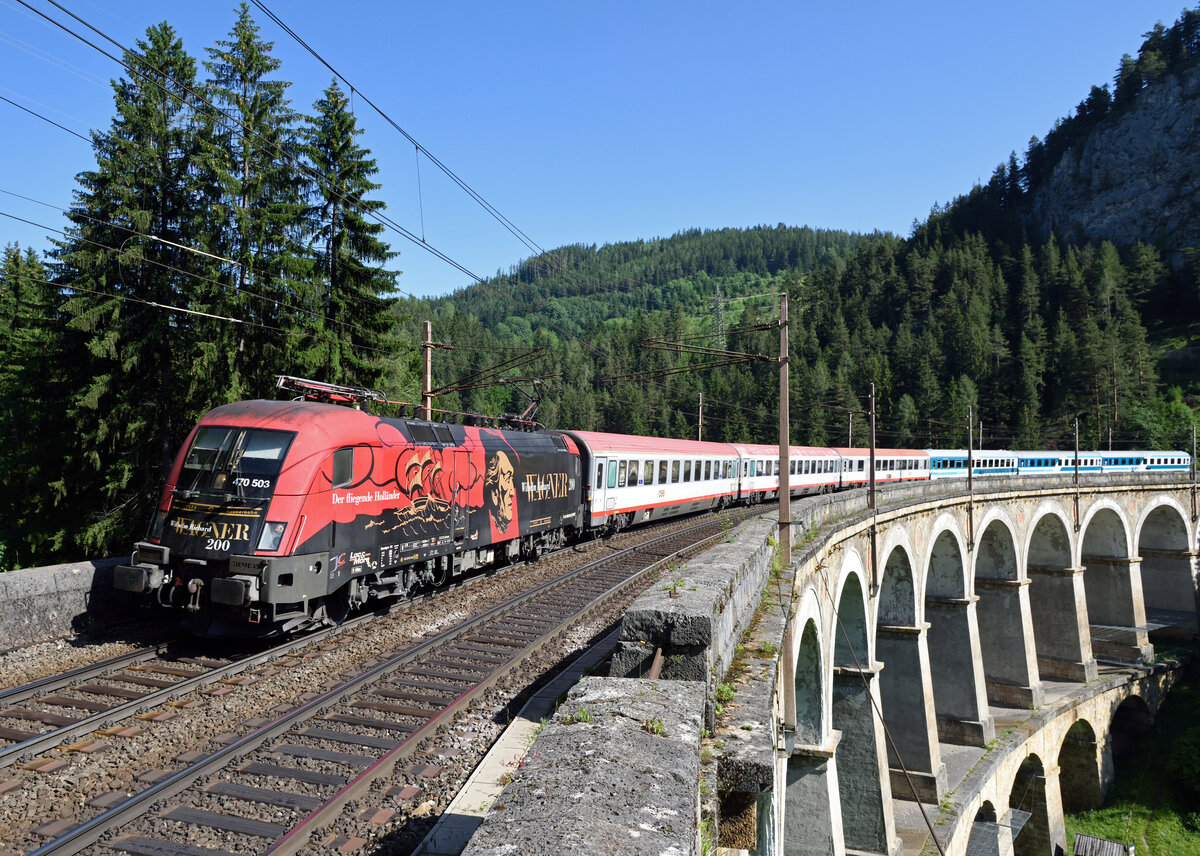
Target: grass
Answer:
pixel 1146 806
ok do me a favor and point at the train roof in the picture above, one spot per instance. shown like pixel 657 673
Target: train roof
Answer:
pixel 863 452
pixel 769 450
pixel 602 443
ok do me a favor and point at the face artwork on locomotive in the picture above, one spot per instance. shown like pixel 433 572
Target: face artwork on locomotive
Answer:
pixel 499 491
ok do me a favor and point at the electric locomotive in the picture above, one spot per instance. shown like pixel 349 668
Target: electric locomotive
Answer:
pixel 283 515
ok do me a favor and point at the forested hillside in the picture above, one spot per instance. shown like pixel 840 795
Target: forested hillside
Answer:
pixel 223 237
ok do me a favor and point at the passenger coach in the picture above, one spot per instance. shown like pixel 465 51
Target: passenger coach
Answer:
pixel 633 479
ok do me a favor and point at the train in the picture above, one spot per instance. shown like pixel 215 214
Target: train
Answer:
pixel 279 516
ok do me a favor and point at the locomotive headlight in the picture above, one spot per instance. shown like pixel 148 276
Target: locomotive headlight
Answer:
pixel 272 536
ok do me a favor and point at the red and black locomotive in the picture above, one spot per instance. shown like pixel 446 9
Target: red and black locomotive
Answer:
pixel 281 515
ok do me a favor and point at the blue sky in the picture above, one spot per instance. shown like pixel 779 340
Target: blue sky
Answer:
pixel 594 123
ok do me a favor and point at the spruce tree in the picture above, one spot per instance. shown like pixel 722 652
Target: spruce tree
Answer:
pixel 348 255
pixel 125 266
pixel 252 159
pixel 31 399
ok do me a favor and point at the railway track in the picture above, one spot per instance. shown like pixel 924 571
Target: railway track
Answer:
pixel 94 697
pixel 276 788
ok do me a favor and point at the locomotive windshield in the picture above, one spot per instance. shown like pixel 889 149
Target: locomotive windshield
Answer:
pixel 242 461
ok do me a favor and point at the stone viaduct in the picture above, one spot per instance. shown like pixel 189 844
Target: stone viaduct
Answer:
pixel 917 629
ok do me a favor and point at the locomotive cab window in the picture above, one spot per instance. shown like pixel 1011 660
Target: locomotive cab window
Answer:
pixel 343 467
pixel 221 458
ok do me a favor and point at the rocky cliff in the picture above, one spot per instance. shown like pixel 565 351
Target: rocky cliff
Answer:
pixel 1135 177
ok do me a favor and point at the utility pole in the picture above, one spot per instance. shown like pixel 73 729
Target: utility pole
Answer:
pixel 970 445
pixel 700 419
pixel 427 347
pixel 1193 472
pixel 1077 474
pixel 427 372
pixel 785 484
pixel 871 494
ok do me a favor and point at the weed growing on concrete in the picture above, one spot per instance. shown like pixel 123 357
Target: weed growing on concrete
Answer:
pixel 581 715
pixel 655 726
pixel 767 648
pixel 725 694
pixel 708 836
pixel 676 583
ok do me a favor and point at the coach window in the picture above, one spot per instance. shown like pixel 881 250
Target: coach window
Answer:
pixel 633 473
pixel 662 472
pixel 343 467
pixel 621 474
pixel 687 471
pixel 648 472
pixel 612 473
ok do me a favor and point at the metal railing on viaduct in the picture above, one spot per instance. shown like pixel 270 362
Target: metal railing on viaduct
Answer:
pixel 919 630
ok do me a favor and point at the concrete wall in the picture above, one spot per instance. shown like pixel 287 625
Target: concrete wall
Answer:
pixel 616 771
pixel 37 604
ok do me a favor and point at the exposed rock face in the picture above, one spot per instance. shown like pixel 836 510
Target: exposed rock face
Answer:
pixel 1136 175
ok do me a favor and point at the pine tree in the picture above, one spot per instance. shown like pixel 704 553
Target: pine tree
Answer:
pixel 347 251
pixel 251 157
pixel 31 399
pixel 125 266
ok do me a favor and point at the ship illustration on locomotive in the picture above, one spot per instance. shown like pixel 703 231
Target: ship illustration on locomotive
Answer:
pixel 279 516
pixel 282 515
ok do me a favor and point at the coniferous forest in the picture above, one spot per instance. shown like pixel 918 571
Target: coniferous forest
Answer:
pixel 228 232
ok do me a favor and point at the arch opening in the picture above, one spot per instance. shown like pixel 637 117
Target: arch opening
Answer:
pixel 810 696
pixel 1005 622
pixel 989 837
pixel 904 686
pixel 864 789
pixel 1168 574
pixel 1080 765
pixel 1113 584
pixel 1034 833
pixel 953 646
pixel 1057 604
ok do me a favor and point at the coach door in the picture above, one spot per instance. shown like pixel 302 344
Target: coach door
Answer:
pixel 603 486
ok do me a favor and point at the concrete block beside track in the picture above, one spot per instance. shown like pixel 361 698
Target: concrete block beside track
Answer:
pixel 696 613
pixel 37 604
pixel 616 770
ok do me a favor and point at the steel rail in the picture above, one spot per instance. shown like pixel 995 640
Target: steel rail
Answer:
pixel 44 742
pixel 60 681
